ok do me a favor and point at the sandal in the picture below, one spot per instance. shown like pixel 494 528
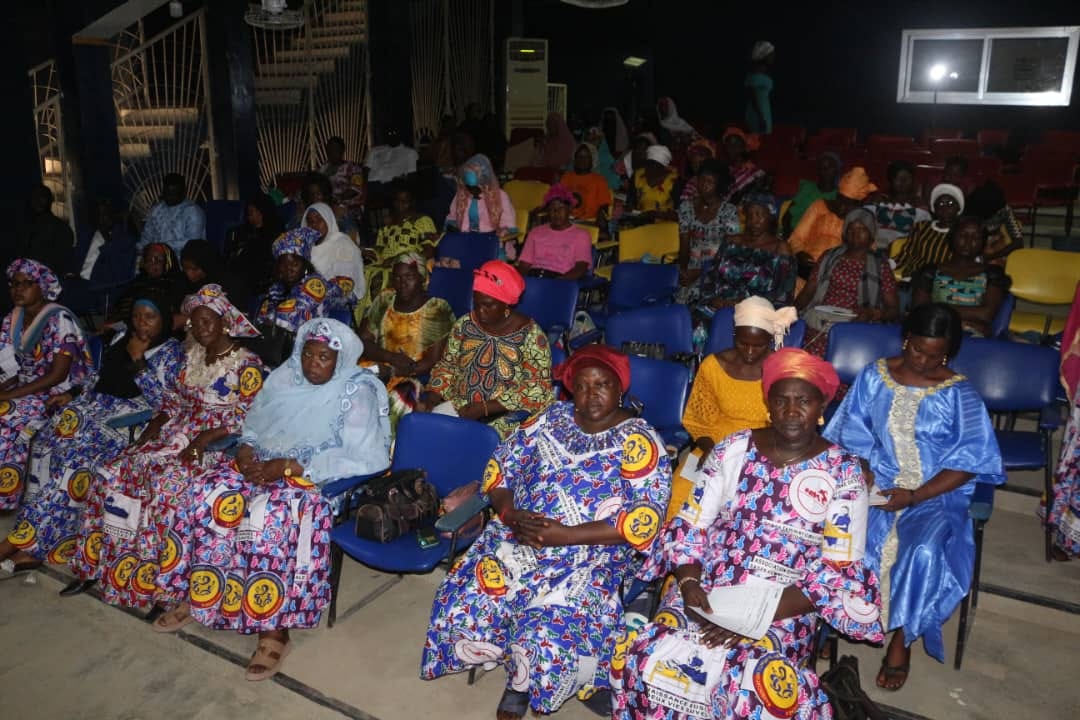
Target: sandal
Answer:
pixel 269 654
pixel 891 671
pixel 513 702
pixel 10 569
pixel 173 620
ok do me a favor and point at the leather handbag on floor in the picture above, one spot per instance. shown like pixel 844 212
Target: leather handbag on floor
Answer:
pixel 849 701
pixel 395 504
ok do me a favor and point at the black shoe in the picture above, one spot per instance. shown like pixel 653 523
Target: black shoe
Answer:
pixel 155 612
pixel 600 703
pixel 77 587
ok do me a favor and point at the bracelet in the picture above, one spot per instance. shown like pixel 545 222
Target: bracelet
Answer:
pixel 688 579
pixel 288 470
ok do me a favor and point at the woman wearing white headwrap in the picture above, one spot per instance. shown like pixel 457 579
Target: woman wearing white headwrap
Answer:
pixel 759 87
pixel 670 120
pixel 336 256
pixel 726 396
pixel 654 183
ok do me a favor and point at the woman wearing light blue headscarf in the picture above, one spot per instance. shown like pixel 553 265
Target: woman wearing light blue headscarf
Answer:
pixel 255 533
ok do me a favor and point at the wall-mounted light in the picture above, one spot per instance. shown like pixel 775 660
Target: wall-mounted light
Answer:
pixel 937 72
pixel 633 61
pixel 176 9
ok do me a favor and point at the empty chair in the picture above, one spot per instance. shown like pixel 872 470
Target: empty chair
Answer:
pixel 661 387
pixel 551 303
pixel 660 240
pixel 945 148
pixel 931 134
pixel 666 325
pixel 454 286
pixel 526 195
pixel 991 140
pixel 637 284
pixel 467 251
pixel 1046 277
pixel 840 136
pixel 853 346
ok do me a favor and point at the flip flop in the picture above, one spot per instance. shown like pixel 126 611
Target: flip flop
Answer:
pixel 514 702
pixel 270 654
pixel 9 569
pixel 173 620
pixel 892 671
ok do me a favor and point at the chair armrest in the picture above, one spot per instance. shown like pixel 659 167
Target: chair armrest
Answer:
pixel 130 419
pixel 224 444
pixel 344 485
pixel 454 520
pixel 1050 417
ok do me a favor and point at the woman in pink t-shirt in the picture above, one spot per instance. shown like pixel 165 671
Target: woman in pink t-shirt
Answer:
pixel 560 248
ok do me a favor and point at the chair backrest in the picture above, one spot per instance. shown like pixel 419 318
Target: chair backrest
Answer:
pixel 342 315
pixel 526 194
pixel 945 148
pixel 657 239
pixel 470 250
pixel 722 332
pixel 931 134
pixel 1010 376
pixel 854 345
pixel 538 174
pixel 662 387
pixel 999 328
pixel 843 136
pixel 286 211
pixel 454 286
pixel 637 284
pixel 96 346
pixel 668 325
pixel 1047 277
pixel 550 302
pixel 221 215
pixel 593 230
pixel 454 451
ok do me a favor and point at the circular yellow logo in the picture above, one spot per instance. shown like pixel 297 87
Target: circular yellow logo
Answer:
pixel 346 284
pixel 228 509
pixel 63 552
pixel 492 476
pixel 91 549
pixel 170 553
pixel 205 587
pixel 618 656
pixel 145 578
pixel 123 570
pixel 264 596
pixel 668 618
pixel 23 536
pixel 68 423
pixel 251 381
pixel 234 597
pixel 287 306
pixel 315 288
pixel 79 485
pixel 490 577
pixel 639 525
pixel 5 407
pixel 776 682
pixel 639 456
pixel 9 479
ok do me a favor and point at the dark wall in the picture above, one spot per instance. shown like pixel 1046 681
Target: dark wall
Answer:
pixel 836 65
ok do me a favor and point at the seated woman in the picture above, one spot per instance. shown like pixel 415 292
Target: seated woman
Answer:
pixel 705 221
pixel 406 329
pixel 159 273
pixel 900 206
pixel 203 265
pixel 589 186
pixel 408 232
pixel 822 224
pixel 1003 231
pixel 556 149
pixel 972 287
pixel 559 248
pixel 579 491
pixel 810 191
pixel 137 370
pixel 336 257
pixel 754 262
pixel 1063 515
pixel 852 277
pixel 654 184
pixel 804 502
pixel 127 533
pixel 700 152
pixel 928 244
pixel 277 559
pixel 480 205
pixel 605 159
pixel 726 396
pixel 746 177
pixel 924 438
pixel 42 354
pixel 250 253
pixel 497 364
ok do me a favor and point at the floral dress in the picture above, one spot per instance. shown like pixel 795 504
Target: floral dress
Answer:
pixel 53 332
pixel 739 272
pixel 706 238
pixel 748 521
pixel 843 291
pixel 127 534
pixel 551 615
pixel 79 439
pixel 289 308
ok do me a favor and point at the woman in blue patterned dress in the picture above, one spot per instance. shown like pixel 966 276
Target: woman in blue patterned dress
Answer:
pixel 299 292
pixel 924 434
pixel 580 490
pixel 779 511
pixel 136 370
pixel 46 343
pixel 264 566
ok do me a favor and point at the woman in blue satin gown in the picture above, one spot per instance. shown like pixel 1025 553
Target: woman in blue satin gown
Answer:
pixel 925 439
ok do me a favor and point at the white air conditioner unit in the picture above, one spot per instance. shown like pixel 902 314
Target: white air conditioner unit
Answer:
pixel 526 83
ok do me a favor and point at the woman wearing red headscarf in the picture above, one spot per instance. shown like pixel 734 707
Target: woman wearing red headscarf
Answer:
pixel 497 364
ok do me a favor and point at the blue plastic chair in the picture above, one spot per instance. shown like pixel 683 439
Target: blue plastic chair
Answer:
pixel 1014 377
pixel 453 451
pixel 551 303
pixel 454 286
pixel 342 315
pixel 854 345
pixel 1000 327
pixel 637 284
pixel 221 216
pixel 470 250
pixel 722 332
pixel 668 325
pixel 96 346
pixel 661 387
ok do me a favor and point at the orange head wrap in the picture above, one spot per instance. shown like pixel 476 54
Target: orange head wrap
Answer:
pixel 855 184
pixel 796 363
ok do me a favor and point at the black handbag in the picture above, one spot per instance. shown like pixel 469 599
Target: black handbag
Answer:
pixel 849 701
pixel 387 507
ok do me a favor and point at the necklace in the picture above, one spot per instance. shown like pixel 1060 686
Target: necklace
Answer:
pixel 217 356
pixel 788 460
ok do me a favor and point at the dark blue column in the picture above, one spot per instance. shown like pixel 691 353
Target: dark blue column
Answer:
pixel 96 137
pixel 389 47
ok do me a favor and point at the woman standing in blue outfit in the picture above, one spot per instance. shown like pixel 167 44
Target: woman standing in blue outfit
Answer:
pixel 925 439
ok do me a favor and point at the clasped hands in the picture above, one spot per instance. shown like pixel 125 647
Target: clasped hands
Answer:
pixel 536 530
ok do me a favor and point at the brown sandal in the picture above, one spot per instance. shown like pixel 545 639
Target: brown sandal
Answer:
pixel 174 619
pixel 269 654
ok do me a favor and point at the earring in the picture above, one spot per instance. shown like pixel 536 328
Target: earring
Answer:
pixel 821 420
pixel 768 417
pixel 506 313
pixel 944 361
pixel 904 346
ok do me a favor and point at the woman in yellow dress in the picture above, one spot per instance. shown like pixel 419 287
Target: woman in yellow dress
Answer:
pixel 408 232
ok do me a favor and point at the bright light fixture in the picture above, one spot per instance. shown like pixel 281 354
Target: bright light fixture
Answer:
pixel 633 61
pixel 954 75
pixel 937 72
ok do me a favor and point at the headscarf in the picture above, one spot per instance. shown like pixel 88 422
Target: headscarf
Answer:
pixel 863 217
pixel 762 199
pixel 761 50
pixel 39 273
pixel 489 190
pixel 337 255
pixel 499 280
pixel 558 191
pixel 796 363
pixel 592 150
pixel 670 120
pixel 594 356
pixel 621 138
pixel 171 262
pixel 752 142
pixel 558 149
pixel 757 312
pixel 213 297
pixel 292 418
pixel 272 223
pixel 702 147
pixel 947 189
pixel 660 154
pixel 298 241
pixel 414 259
pixel 855 184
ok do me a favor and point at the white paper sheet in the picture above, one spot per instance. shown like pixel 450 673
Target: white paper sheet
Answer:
pixel 876 498
pixel 9 366
pixel 746 609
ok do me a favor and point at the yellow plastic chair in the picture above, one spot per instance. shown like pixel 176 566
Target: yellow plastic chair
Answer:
pixel 1045 277
pixel 526 194
pixel 661 240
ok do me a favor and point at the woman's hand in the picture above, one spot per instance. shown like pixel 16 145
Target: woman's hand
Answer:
pixel 472 411
pixel 537 531
pixel 150 433
pixel 899 499
pixel 714 636
pixel 59 400
pixel 705 444
pixel 694 596
pixel 404 366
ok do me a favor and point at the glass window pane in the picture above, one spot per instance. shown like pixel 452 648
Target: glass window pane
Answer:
pixel 1027 64
pixel 945 65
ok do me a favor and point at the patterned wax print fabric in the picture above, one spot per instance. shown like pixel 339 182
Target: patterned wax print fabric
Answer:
pixel 52 333
pixel 514 369
pixel 749 521
pixel 417 235
pixel 924 554
pixel 550 615
pixel 659 198
pixel 67 453
pixel 348 180
pixel 127 535
pixel 738 271
pixel 1064 515
pixel 289 308
pixel 707 237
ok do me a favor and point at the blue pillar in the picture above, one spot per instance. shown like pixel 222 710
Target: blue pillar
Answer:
pixel 96 118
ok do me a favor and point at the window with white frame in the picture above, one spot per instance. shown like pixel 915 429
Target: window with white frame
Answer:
pixel 988 66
